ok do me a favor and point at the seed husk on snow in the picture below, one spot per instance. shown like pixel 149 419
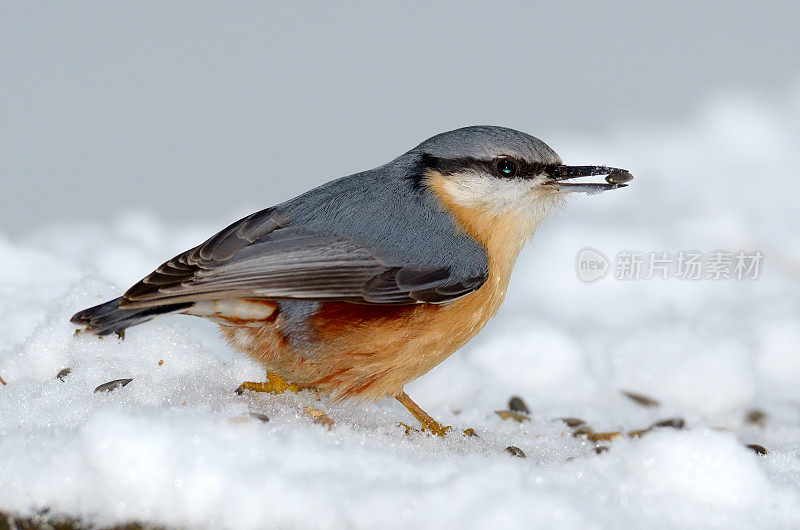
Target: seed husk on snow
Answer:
pixel 516 404
pixel 641 399
pixel 759 449
pixel 592 436
pixel 604 436
pixel 582 430
pixel 260 416
pixel 638 432
pixel 675 423
pixel 510 415
pixel 513 450
pixel 756 417
pixel 63 373
pixel 318 416
pixel 572 422
pixel 113 385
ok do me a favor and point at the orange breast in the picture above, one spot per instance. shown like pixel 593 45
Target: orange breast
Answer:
pixel 377 350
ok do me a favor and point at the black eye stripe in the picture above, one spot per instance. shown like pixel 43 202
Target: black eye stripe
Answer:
pixel 449 166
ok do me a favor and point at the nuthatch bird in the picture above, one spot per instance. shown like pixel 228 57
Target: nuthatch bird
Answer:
pixel 367 282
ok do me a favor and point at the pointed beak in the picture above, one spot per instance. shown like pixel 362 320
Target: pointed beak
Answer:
pixel 614 178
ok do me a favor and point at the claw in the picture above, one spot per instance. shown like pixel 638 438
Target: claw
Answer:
pixel 409 428
pixel 437 429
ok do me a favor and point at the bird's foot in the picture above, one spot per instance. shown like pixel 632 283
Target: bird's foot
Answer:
pixel 438 429
pixel 428 424
pixel 274 384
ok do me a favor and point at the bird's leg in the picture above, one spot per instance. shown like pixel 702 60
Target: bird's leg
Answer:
pixel 428 423
pixel 274 384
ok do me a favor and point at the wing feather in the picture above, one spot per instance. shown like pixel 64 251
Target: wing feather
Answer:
pixel 265 256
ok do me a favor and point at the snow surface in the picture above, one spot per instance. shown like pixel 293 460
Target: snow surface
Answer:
pixel 178 447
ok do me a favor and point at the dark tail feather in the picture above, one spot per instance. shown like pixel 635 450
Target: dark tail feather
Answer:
pixel 108 318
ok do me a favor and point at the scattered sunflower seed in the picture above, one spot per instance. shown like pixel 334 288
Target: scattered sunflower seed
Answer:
pixel 638 432
pixel 513 450
pixel 600 449
pixel 113 385
pixel 470 432
pixel 2 382
pixel 591 435
pixel 63 373
pixel 509 415
pixel 573 422
pixel 675 423
pixel 161 362
pixel 516 404
pixel 604 436
pixel 259 416
pixel 582 430
pixel 756 417
pixel 619 177
pixel 759 449
pixel 642 400
pixel 318 416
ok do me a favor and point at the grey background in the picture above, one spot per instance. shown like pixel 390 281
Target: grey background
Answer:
pixel 199 110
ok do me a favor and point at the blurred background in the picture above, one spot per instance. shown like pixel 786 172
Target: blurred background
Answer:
pixel 198 111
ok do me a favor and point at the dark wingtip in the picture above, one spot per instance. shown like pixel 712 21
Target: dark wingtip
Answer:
pixel 83 317
pixel 108 317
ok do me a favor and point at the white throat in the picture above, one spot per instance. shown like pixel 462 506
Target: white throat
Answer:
pixel 527 200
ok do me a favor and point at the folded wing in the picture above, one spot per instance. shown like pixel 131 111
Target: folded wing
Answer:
pixel 264 256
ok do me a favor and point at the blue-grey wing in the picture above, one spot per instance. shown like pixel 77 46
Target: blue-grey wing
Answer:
pixel 268 256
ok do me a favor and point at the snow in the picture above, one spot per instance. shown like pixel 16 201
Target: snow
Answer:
pixel 178 447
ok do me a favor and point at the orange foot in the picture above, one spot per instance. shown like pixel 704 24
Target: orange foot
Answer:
pixel 274 384
pixel 428 423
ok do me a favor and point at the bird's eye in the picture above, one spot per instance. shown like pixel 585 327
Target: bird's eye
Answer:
pixel 506 167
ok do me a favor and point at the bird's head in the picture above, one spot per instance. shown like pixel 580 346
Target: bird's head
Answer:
pixel 488 175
